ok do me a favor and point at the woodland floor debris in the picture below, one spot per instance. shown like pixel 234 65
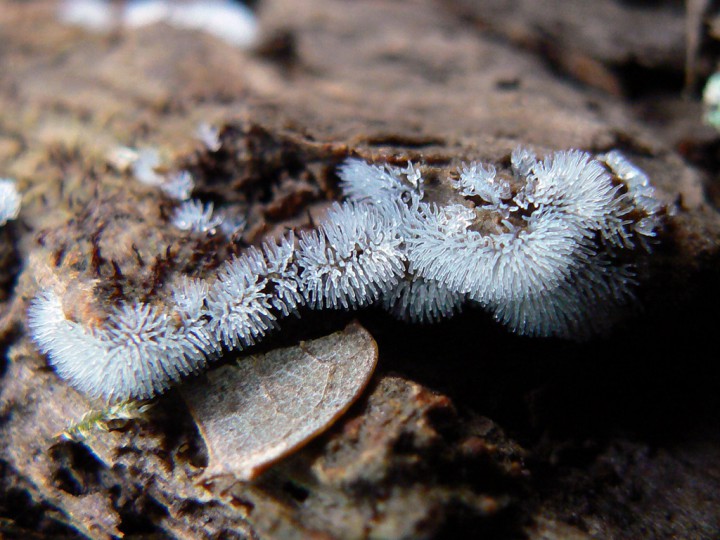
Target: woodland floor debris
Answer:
pixel 464 427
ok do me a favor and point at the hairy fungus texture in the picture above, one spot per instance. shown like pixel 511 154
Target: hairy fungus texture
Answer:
pixel 352 259
pixel 380 185
pixel 139 350
pixel 194 216
pixel 416 299
pixel 251 292
pixel 543 246
pixel 137 353
pixel 539 246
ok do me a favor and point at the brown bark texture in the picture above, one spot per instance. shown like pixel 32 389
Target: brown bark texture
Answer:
pixel 465 430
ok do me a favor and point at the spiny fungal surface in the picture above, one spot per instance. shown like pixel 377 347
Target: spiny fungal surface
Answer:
pixel 546 246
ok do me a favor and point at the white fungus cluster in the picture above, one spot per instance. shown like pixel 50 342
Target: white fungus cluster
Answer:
pixel 147 168
pixel 195 216
pixel 543 246
pixel 352 259
pixel 139 350
pixel 227 20
pixel 136 353
pixel 9 201
pixel 540 246
pixel 190 215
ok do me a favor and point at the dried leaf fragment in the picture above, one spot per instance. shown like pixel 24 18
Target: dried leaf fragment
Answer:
pixel 268 405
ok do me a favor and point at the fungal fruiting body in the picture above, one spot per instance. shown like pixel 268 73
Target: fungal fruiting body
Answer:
pixel 229 21
pixel 352 259
pixel 9 201
pixel 138 350
pixel 711 100
pixel 136 353
pixel 537 246
pixel 194 216
pixel 544 246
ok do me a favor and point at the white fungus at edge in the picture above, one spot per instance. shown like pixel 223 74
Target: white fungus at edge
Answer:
pixel 9 201
pixel 227 20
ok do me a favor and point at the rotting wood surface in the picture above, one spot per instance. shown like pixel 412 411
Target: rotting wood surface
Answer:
pixel 614 439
